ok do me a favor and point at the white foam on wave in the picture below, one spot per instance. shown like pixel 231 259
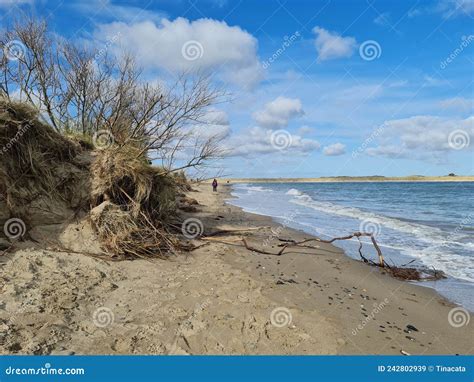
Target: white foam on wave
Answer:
pixel 247 187
pixel 421 231
pixel 436 251
pixel 458 266
pixel 294 192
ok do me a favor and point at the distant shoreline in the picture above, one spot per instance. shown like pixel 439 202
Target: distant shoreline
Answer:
pixel 350 179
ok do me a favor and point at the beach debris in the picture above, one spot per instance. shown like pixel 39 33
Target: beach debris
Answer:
pixel 411 327
pixel 404 352
pixel 402 273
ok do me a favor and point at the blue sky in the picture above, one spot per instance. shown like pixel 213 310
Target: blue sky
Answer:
pixel 319 88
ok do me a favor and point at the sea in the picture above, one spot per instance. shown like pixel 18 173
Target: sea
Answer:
pixel 423 224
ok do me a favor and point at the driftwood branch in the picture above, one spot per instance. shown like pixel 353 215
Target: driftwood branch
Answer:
pixel 290 243
pixel 398 272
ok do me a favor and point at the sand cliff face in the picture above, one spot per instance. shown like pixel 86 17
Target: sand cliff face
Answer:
pixel 63 191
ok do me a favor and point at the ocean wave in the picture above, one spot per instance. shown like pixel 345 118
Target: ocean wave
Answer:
pixel 249 188
pixel 294 192
pixel 442 259
pixel 422 232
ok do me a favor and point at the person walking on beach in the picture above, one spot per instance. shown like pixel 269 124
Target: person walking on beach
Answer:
pixel 214 185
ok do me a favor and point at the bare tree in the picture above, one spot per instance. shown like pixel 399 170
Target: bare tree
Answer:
pixel 84 92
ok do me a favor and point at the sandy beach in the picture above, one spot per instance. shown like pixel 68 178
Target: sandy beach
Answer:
pixel 219 299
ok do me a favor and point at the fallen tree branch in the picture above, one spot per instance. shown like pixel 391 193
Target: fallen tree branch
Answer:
pixel 233 231
pixel 397 272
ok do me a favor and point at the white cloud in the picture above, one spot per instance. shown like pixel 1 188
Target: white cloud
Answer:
pixel 451 8
pixel 217 117
pixel 433 81
pixel 419 136
pixel 110 11
pixel 330 45
pixel 277 113
pixel 257 140
pixel 447 8
pixel 383 19
pixel 303 130
pixel 334 149
pixel 388 151
pixel 458 104
pixel 183 45
pixel 11 3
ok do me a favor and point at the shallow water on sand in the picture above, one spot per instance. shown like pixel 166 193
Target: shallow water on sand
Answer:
pixel 428 224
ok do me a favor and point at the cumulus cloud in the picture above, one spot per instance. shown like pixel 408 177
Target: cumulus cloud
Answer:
pixel 183 45
pixel 216 117
pixel 334 149
pixel 277 113
pixel 420 136
pixel 214 124
pixel 331 45
pixel 258 140
pixel 458 104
